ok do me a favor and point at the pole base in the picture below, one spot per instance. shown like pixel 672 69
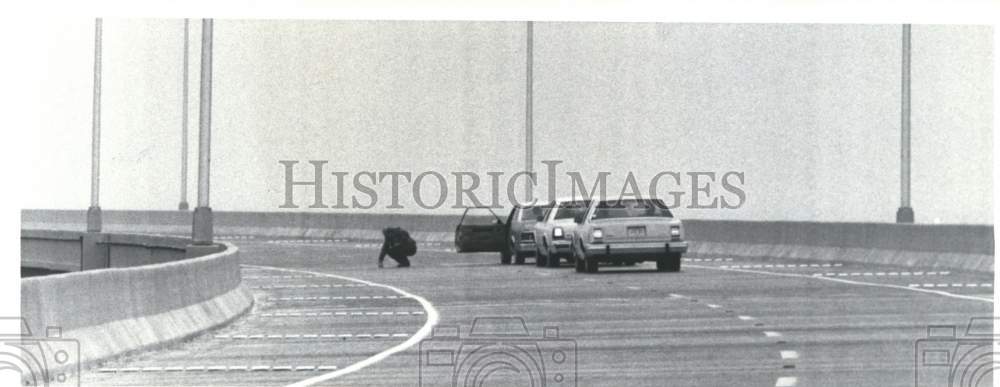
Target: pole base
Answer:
pixel 183 206
pixel 201 230
pixel 94 219
pixel 904 215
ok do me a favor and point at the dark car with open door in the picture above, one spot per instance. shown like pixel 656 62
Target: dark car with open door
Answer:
pixel 481 230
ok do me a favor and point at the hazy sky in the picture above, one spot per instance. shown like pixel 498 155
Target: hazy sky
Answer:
pixel 808 113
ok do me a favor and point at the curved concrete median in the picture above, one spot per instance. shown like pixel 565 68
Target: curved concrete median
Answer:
pixel 119 310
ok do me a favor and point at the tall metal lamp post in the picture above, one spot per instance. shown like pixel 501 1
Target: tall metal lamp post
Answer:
pixel 94 211
pixel 201 232
pixel 183 206
pixel 905 213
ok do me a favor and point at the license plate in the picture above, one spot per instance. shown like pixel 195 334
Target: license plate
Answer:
pixel 637 232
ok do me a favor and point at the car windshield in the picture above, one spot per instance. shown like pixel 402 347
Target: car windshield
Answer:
pixel 531 213
pixel 568 210
pixel 632 208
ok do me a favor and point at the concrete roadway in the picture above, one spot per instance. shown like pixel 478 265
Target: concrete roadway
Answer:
pixel 722 321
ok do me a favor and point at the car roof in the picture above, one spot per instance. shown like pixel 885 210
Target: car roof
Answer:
pixel 571 199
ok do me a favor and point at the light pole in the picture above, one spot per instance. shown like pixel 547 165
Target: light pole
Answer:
pixel 529 141
pixel 201 232
pixel 183 206
pixel 94 211
pixel 905 213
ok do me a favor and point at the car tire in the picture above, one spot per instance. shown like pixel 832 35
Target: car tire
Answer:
pixel 669 263
pixel 590 265
pixel 553 261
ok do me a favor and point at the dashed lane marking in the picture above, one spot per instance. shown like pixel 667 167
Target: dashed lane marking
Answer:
pixel 884 274
pixel 772 334
pixel 745 318
pixel 786 381
pixel 850 282
pixel 330 314
pixel 955 285
pixel 422 333
pixel 782 266
pixel 708 259
pixel 789 355
pixel 332 298
pixel 713 306
pixel 633 287
pixel 218 369
pixel 308 286
pixel 310 336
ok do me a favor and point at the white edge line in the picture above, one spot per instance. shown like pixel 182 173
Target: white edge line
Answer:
pixel 432 320
pixel 921 290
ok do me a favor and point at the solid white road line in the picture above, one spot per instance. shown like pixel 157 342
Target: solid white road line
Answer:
pixel 424 332
pixel 849 282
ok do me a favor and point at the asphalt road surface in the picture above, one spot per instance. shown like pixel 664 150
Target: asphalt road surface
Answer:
pixel 722 321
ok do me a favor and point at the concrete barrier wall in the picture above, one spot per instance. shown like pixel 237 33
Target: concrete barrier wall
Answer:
pixel 960 247
pixel 119 310
pixel 74 251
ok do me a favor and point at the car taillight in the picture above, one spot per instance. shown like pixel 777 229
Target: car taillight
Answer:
pixel 675 232
pixel 557 232
pixel 597 235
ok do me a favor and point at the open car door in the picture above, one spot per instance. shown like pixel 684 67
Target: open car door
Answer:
pixel 480 230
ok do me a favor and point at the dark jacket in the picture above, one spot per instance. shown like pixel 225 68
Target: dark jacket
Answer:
pixel 398 244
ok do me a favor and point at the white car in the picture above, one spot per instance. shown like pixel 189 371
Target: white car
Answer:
pixel 628 231
pixel 554 231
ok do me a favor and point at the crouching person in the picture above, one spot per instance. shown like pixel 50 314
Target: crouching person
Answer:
pixel 398 245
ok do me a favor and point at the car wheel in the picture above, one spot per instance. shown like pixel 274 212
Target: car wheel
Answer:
pixel 590 265
pixel 670 263
pixel 552 260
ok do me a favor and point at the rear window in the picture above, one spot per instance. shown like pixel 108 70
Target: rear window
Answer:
pixel 632 208
pixel 532 213
pixel 568 210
